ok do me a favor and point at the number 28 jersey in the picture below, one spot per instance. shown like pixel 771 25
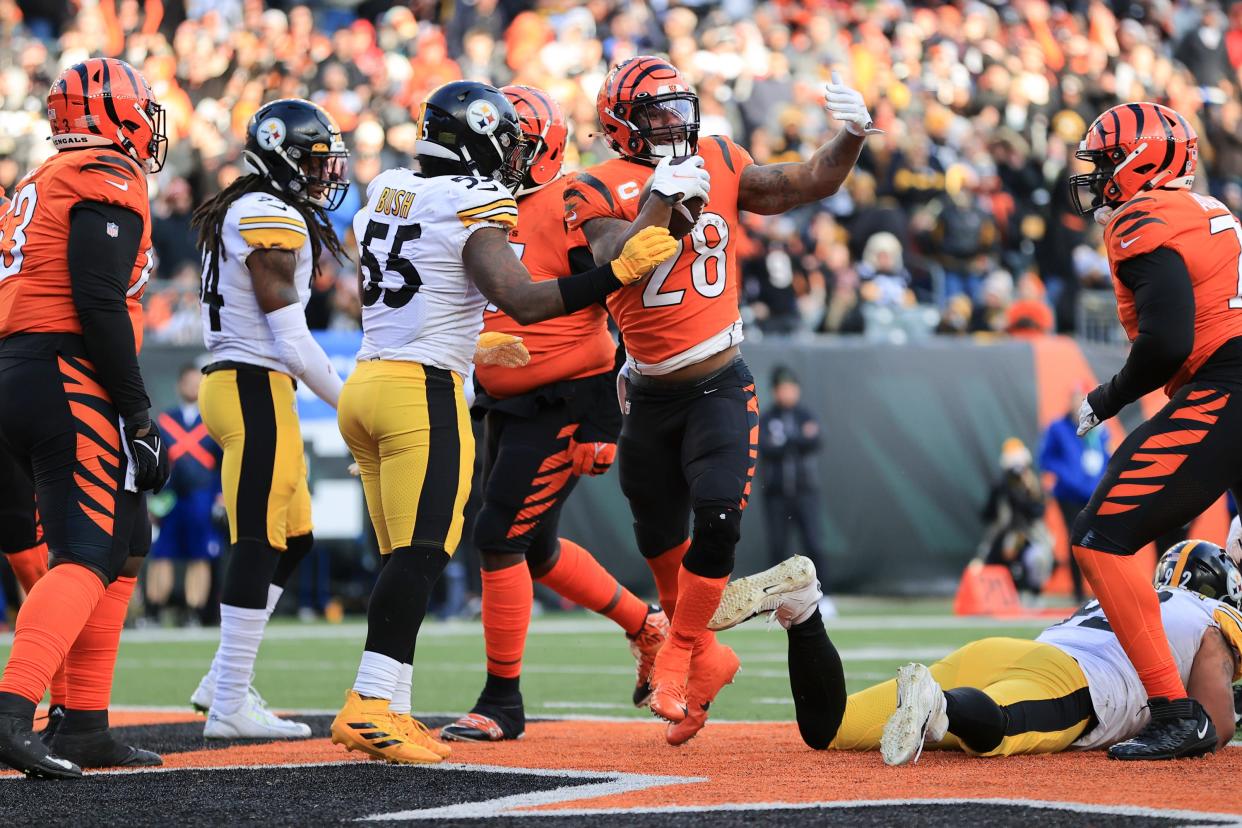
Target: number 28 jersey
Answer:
pixel 687 309
pixel 1209 240
pixel 418 304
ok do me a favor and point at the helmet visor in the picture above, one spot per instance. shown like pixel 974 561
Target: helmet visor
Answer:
pixel 157 151
pixel 668 123
pixel 1087 189
pixel 327 177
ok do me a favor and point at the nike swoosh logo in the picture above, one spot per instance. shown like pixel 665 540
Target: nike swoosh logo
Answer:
pixel 1126 244
pixel 572 216
pixel 1203 730
pixel 122 187
pixel 710 391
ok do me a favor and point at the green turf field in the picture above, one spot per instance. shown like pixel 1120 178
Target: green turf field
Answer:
pixel 576 663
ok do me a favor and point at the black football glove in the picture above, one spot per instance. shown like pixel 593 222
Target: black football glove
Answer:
pixel 150 454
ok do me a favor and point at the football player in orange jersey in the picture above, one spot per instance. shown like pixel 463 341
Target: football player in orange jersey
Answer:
pixel 75 255
pixel 1176 261
pixel 547 424
pixel 689 441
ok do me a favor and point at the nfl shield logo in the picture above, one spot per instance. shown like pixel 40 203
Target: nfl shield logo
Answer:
pixel 113 230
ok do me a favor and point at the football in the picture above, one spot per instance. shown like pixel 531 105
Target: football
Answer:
pixel 685 214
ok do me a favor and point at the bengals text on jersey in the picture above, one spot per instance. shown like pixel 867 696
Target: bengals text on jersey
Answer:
pixel 1209 240
pixel 562 348
pixel 35 293
pixel 688 308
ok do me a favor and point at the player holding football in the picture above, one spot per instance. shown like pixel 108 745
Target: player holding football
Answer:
pixel 689 442
pixel 75 256
pixel 1176 260
pixel 261 239
pixel 547 424
pixel 1072 688
pixel 434 248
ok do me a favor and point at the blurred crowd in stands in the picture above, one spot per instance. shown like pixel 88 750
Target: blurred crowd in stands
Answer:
pixel 957 221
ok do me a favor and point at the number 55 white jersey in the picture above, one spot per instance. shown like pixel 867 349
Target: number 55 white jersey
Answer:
pixel 418 305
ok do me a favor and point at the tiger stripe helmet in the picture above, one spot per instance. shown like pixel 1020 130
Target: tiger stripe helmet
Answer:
pixel 543 132
pixel 106 102
pixel 1203 567
pixel 1135 147
pixel 648 110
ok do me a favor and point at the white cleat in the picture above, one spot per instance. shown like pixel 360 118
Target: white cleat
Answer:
pixel 920 717
pixel 253 721
pixel 202 696
pixel 788 590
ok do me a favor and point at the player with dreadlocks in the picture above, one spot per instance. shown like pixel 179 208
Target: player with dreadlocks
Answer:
pixel 261 240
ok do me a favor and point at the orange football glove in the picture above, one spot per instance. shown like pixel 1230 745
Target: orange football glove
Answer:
pixel 591 458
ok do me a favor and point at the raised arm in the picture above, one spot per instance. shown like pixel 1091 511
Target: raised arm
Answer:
pixel 494 268
pixel 774 188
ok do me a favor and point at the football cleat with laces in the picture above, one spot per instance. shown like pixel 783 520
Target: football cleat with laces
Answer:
pixel 788 591
pixel 643 646
pixel 252 721
pixel 367 725
pixel 1178 729
pixel 711 668
pixel 420 734
pixel 921 716
pixel 488 722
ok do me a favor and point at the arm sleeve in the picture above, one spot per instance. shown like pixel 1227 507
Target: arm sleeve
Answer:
pixel 103 246
pixel 302 355
pixel 1165 302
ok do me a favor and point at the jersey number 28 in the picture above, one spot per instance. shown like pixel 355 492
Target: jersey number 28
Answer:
pixel 707 271
pixel 13 225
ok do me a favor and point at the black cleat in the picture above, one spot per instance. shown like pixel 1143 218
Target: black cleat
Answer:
pixel 488 722
pixel 1178 729
pixel 55 718
pixel 98 749
pixel 23 750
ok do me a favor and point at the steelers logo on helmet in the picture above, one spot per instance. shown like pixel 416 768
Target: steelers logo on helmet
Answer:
pixel 271 133
pixel 483 117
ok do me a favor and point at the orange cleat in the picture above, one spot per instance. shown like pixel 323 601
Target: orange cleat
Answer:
pixel 643 646
pixel 669 676
pixel 711 668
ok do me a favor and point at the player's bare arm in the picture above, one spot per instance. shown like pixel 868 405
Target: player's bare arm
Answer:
pixel 670 183
pixel 271 273
pixel 1211 678
pixel 495 269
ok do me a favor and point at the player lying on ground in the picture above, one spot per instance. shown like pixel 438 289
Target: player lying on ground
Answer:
pixel 1072 688
pixel 548 422
pixel 434 248
pixel 688 447
pixel 1175 258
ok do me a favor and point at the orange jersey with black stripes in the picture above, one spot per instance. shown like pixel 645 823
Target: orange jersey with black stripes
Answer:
pixel 564 348
pixel 1209 239
pixel 687 310
pixel 35 294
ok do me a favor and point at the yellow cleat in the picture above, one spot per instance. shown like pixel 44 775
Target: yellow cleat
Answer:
pixel 367 725
pixel 420 734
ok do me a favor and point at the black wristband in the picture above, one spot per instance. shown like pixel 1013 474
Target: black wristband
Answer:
pixel 581 290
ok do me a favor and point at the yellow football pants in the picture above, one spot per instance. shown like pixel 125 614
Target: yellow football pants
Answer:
pixel 409 431
pixel 252 413
pixel 1025 677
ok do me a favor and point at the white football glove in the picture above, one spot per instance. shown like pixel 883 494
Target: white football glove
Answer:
pixel 1086 418
pixel 847 105
pixel 681 182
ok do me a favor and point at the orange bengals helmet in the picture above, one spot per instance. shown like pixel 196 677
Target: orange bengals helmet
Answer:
pixel 543 134
pixel 648 110
pixel 106 102
pixel 1135 147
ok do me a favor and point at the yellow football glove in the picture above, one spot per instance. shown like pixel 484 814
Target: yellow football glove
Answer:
pixel 505 350
pixel 648 248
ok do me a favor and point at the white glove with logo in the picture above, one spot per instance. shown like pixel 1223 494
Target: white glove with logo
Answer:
pixel 846 105
pixel 681 180
pixel 1086 418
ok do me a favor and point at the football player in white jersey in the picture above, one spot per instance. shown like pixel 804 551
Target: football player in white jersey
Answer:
pixel 1072 688
pixel 434 250
pixel 261 240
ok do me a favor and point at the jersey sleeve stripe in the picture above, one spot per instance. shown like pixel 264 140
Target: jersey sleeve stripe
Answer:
pixel 498 204
pixel 281 238
pixel 286 220
pixel 503 208
pixel 506 220
pixel 107 169
pixel 301 231
pixel 117 161
pixel 1135 225
pixel 724 151
pixel 597 185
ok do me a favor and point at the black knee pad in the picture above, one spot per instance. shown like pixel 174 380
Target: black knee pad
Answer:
pixel 1086 533
pixel 717 530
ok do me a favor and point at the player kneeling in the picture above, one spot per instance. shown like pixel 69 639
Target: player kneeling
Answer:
pixel 1072 688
